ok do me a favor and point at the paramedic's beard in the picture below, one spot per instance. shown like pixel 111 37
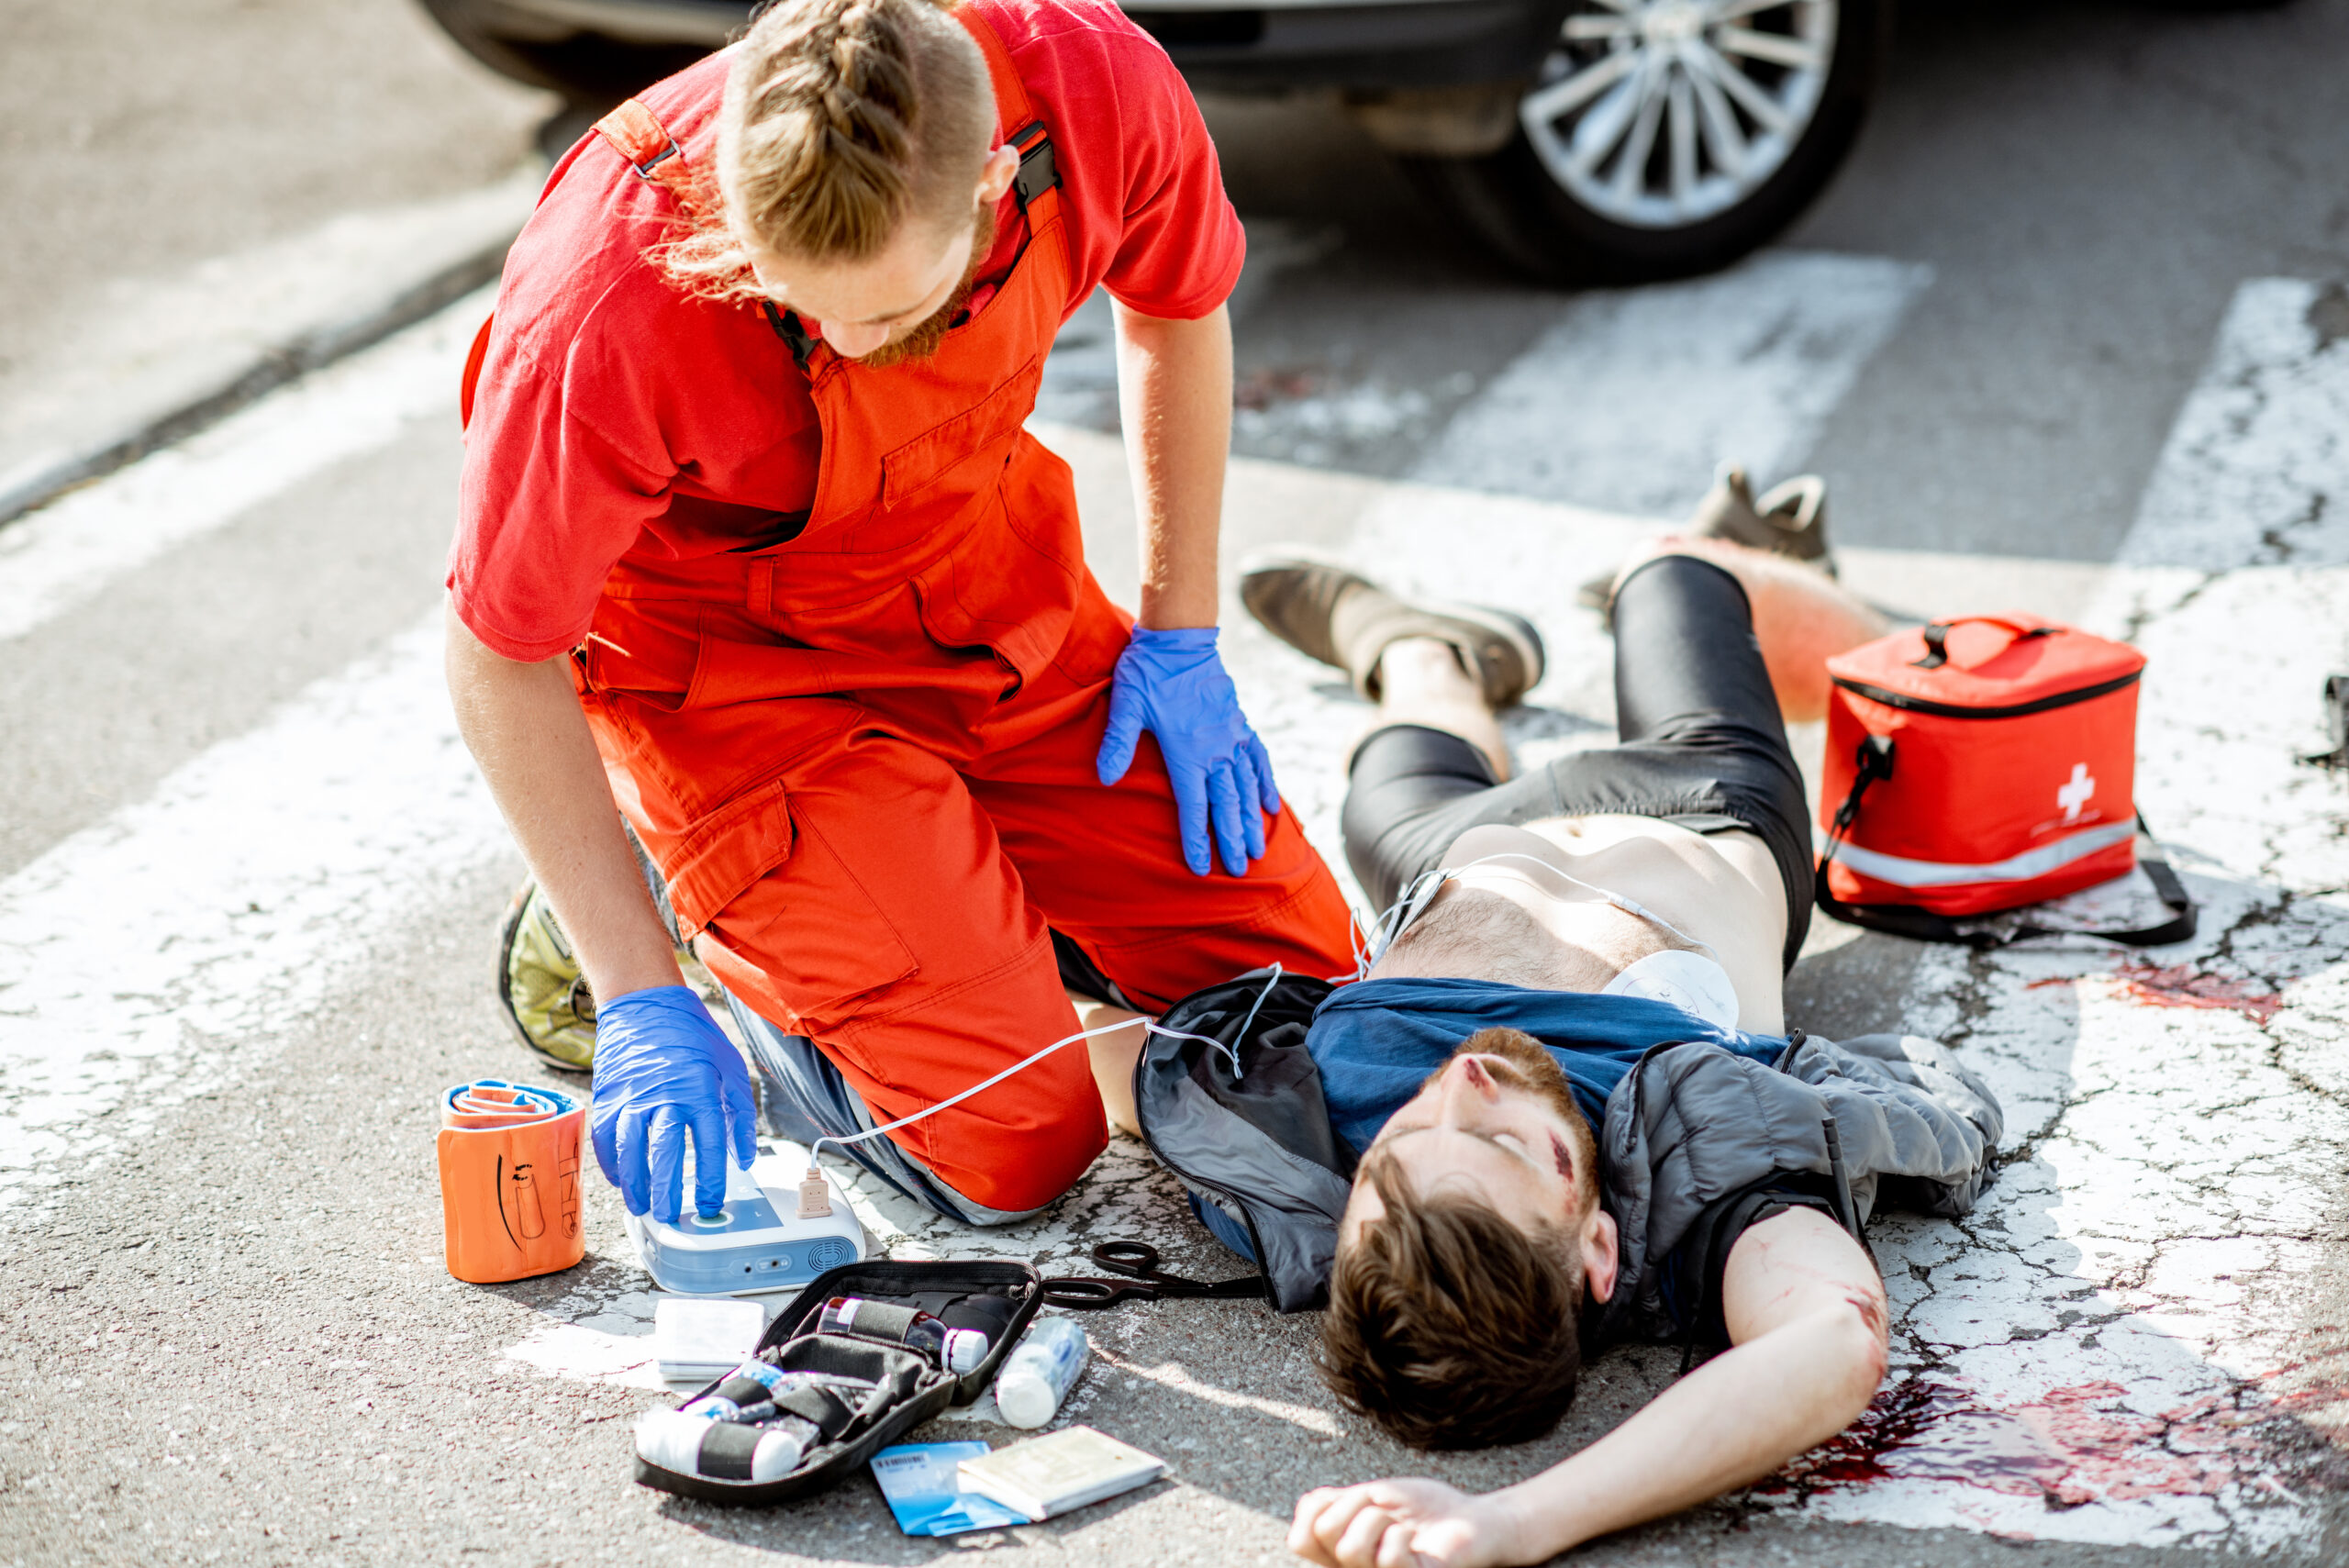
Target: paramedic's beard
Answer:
pixel 921 341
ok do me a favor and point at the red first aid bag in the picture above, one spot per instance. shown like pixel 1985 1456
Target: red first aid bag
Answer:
pixel 1978 764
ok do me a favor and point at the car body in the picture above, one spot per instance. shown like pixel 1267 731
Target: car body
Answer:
pixel 1587 141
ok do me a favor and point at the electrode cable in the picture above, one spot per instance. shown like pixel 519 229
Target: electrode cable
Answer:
pixel 1389 926
pixel 1151 1025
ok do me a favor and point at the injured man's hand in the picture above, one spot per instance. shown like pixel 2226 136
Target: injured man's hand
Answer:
pixel 1383 1523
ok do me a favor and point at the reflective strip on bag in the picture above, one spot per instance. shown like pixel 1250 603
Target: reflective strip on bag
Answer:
pixel 2038 862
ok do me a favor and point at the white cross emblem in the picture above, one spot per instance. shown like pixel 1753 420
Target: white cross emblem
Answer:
pixel 2074 796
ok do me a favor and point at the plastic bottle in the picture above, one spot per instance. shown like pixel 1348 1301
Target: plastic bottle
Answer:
pixel 781 1448
pixel 711 1407
pixel 1039 1371
pixel 676 1441
pixel 742 1392
pixel 959 1350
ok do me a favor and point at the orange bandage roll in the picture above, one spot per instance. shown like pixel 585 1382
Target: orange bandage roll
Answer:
pixel 510 1179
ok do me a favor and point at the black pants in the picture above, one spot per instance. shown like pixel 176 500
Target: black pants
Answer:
pixel 1701 745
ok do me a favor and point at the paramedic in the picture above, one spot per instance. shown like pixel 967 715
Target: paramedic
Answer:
pixel 754 545
pixel 1555 910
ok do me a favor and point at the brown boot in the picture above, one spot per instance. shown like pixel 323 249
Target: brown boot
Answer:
pixel 1342 618
pixel 1790 519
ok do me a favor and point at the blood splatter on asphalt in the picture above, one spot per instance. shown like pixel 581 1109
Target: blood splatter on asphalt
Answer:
pixel 2180 985
pixel 2074 1445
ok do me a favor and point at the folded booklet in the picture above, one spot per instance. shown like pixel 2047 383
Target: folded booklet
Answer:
pixel 1053 1474
pixel 697 1340
pixel 918 1480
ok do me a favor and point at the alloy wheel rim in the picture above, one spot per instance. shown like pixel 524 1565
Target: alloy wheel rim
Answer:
pixel 1660 113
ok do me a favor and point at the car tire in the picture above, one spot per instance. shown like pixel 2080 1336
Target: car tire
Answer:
pixel 1687 210
pixel 591 72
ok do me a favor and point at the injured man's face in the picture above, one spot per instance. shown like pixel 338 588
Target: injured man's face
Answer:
pixel 1470 1241
pixel 1498 1126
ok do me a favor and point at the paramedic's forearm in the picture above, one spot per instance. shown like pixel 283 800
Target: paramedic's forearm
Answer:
pixel 1174 397
pixel 1733 1420
pixel 523 724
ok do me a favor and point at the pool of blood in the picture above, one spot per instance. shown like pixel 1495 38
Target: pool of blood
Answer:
pixel 2180 986
pixel 2074 1445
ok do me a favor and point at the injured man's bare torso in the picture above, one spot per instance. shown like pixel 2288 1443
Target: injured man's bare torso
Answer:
pixel 1510 920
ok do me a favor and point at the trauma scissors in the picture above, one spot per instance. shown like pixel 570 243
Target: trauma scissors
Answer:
pixel 1142 1281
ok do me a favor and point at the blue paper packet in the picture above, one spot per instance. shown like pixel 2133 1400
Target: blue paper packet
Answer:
pixel 918 1483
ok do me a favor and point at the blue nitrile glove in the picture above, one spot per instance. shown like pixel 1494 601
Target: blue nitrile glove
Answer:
pixel 1173 684
pixel 663 1070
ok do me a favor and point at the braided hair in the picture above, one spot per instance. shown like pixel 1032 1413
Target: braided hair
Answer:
pixel 842 120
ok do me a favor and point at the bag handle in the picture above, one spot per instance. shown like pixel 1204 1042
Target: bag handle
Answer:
pixel 1937 637
pixel 1875 759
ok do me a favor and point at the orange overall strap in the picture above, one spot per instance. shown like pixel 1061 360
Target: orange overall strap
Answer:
pixel 1022 129
pixel 639 136
pixel 472 377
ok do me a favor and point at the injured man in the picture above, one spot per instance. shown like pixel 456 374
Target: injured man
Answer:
pixel 1580 1115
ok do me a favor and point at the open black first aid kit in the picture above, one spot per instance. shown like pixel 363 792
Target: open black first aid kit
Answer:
pixel 825 1390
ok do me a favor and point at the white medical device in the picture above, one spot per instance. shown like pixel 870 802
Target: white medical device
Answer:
pixel 760 1242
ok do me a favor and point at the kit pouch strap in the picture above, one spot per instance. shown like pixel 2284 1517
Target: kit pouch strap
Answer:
pixel 881 1322
pixel 1875 752
pixel 819 1407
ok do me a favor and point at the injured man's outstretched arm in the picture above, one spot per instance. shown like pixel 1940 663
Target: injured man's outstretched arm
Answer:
pixel 1806 1316
pixel 1598 942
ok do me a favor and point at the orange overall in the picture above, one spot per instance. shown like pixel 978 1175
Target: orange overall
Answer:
pixel 864 758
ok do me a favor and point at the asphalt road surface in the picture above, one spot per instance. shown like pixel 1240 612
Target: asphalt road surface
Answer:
pixel 2068 335
pixel 140 141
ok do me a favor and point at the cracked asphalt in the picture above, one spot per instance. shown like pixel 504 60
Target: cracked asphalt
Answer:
pixel 2080 346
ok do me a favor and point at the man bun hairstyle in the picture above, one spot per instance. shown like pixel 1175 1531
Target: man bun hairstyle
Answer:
pixel 1449 1325
pixel 842 120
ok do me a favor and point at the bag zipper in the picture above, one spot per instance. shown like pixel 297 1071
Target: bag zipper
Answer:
pixel 2013 710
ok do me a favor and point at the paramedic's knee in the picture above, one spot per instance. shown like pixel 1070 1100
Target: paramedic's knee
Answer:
pixel 1013 1168
pixel 1011 1146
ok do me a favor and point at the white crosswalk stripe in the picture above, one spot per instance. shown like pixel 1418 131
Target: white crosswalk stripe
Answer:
pixel 69 550
pixel 1629 400
pixel 139 960
pixel 2257 463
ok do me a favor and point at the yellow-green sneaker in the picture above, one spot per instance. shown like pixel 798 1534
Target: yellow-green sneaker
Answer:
pixel 540 983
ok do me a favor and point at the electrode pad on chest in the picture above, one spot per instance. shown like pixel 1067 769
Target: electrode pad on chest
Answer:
pixel 1688 981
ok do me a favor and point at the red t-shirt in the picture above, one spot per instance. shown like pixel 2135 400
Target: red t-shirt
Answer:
pixel 616 416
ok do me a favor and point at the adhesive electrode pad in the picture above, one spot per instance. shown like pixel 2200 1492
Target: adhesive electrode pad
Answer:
pixel 1688 981
pixel 697 1340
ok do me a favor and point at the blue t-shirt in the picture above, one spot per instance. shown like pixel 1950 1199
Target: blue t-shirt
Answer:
pixel 1376 1042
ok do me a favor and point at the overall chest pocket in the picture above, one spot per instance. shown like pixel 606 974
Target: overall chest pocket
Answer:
pixel 996 590
pixel 970 447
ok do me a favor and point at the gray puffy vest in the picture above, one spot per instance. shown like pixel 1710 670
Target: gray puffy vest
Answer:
pixel 1244 1126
